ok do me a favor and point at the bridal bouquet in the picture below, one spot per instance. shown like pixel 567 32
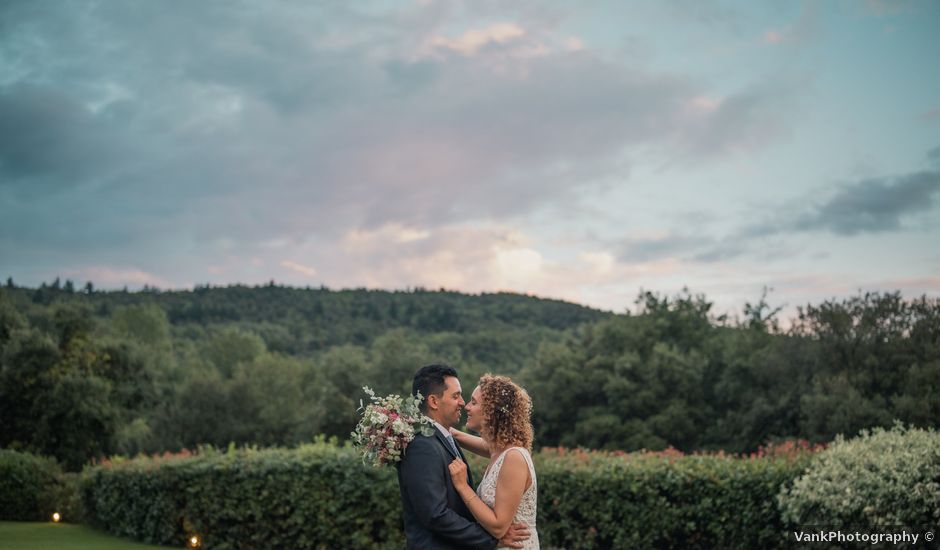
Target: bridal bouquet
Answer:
pixel 387 426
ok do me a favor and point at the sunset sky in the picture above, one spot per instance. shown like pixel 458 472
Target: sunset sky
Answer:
pixel 574 150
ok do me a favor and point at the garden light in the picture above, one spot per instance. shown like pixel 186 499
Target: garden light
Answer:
pixel 56 517
pixel 194 541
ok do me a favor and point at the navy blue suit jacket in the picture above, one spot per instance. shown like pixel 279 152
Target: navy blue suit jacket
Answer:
pixel 435 515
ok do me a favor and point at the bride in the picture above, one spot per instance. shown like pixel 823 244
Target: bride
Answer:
pixel 500 411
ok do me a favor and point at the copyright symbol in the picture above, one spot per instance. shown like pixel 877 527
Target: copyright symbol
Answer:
pixel 928 536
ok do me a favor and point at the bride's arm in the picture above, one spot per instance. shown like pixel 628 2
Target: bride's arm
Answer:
pixel 512 481
pixel 472 443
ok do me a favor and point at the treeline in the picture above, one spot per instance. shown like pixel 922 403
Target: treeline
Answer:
pixel 85 373
pixel 299 321
pixel 672 375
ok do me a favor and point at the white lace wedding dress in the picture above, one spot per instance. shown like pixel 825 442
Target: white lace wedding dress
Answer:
pixel 527 506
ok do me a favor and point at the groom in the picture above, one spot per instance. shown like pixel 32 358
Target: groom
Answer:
pixel 435 515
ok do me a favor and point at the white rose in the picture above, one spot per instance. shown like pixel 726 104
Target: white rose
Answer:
pixel 401 427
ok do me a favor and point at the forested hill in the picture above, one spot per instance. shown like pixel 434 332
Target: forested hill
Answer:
pixel 303 320
pixel 85 373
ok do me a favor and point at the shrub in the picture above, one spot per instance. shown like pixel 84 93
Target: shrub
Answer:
pixel 321 496
pixel 662 500
pixel 881 478
pixel 30 486
pixel 315 496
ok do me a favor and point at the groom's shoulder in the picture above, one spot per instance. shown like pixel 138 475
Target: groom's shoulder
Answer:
pixel 421 440
pixel 422 444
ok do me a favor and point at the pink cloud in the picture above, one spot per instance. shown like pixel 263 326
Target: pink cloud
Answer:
pixel 773 37
pixel 299 268
pixel 472 40
pixel 107 276
pixel 472 258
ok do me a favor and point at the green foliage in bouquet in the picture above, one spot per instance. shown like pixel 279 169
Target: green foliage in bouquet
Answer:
pixel 881 478
pixel 387 426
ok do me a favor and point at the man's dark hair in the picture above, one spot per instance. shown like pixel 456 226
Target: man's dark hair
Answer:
pixel 429 380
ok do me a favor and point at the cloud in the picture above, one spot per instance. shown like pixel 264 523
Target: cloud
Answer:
pixel 111 276
pixel 866 206
pixel 735 125
pixel 670 245
pixel 317 119
pixel 481 258
pixel 699 248
pixel 51 141
pixel 299 268
pixel 474 39
pixel 889 7
pixel 934 156
pixel 933 115
pixel 873 205
pixel 387 147
pixel 773 37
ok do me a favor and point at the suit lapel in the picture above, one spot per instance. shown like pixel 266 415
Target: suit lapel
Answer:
pixel 443 440
pixel 450 451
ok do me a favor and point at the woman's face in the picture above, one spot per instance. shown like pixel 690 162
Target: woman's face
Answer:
pixel 475 410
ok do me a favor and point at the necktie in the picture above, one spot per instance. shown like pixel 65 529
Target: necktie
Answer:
pixel 453 446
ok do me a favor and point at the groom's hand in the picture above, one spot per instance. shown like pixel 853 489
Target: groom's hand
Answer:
pixel 517 534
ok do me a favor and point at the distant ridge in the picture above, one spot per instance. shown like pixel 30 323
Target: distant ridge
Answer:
pixel 331 317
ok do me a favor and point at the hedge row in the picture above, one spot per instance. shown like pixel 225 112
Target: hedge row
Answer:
pixel 320 496
pixel 315 496
pixel 648 501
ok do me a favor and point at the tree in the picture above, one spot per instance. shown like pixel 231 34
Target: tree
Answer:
pixel 395 357
pixel 27 372
pixel 332 391
pixel 231 347
pixel 72 321
pixel 269 394
pixel 145 323
pixel 77 420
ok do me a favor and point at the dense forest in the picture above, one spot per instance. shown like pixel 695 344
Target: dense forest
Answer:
pixel 86 373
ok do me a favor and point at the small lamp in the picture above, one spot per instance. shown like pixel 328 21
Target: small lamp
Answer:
pixel 56 517
pixel 193 541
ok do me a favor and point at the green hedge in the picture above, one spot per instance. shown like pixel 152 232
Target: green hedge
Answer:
pixel 33 487
pixel 320 496
pixel 593 500
pixel 315 496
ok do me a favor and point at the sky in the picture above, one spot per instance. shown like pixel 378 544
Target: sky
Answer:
pixel 576 150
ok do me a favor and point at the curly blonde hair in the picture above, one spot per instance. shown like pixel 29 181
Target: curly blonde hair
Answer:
pixel 507 412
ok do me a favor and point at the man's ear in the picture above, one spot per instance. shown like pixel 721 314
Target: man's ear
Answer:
pixel 433 402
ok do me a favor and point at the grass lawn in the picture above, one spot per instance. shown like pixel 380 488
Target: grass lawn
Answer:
pixel 61 536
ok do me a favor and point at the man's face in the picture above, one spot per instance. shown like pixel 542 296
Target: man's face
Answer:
pixel 450 403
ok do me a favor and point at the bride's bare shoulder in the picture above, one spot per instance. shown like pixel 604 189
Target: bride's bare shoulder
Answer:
pixel 515 467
